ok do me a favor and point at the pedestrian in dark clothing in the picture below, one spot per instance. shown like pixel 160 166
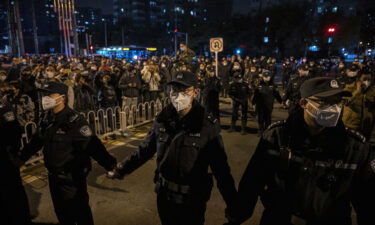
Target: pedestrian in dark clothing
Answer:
pixel 239 92
pixel 211 94
pixel 310 169
pixel 68 144
pixel 265 94
pixel 188 142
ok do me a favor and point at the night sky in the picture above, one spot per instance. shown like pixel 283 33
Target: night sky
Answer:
pixel 105 5
pixel 240 6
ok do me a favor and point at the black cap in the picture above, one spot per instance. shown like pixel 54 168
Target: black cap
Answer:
pixel 322 87
pixel 55 87
pixel 185 78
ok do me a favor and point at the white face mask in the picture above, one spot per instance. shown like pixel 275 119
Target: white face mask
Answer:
pixel 180 101
pixel 366 84
pixel 49 103
pixel 352 73
pixel 2 78
pixel 236 67
pixel 327 116
pixel 266 79
pixel 50 74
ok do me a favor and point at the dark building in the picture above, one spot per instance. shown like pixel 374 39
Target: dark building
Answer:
pixel 4 28
pixel 219 9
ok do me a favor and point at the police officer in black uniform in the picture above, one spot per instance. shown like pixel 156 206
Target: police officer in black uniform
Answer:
pixel 14 208
pixel 69 143
pixel 292 93
pixel 188 142
pixel 265 94
pixel 211 93
pixel 310 169
pixel 239 92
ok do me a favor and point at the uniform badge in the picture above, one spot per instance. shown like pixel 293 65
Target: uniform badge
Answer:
pixel 86 131
pixel 372 164
pixel 180 76
pixel 9 116
pixel 334 84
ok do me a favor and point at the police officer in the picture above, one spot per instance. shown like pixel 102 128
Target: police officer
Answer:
pixel 69 143
pixel 14 208
pixel 309 169
pixel 239 92
pixel 349 77
pixel 265 94
pixel 211 93
pixel 187 142
pixel 292 93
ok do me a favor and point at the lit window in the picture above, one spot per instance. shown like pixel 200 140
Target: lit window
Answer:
pixel 320 10
pixel 334 9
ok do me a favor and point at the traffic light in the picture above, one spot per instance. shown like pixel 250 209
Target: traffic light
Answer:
pixel 331 30
pixel 91 47
pixel 176 30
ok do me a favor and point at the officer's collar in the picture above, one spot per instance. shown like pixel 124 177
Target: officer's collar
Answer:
pixel 298 131
pixel 61 114
pixel 193 121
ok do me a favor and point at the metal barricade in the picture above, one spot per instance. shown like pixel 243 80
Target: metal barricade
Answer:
pixel 108 121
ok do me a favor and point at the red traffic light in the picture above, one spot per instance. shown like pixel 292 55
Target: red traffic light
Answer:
pixel 175 30
pixel 331 30
pixel 91 47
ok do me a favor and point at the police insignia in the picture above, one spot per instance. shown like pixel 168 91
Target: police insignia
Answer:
pixel 372 164
pixel 180 76
pixel 334 84
pixel 86 131
pixel 9 116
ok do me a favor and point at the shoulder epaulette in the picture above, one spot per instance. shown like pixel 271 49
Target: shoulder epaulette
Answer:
pixel 356 134
pixel 276 124
pixel 75 115
pixel 211 118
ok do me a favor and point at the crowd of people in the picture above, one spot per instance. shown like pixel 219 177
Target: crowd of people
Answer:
pixel 186 134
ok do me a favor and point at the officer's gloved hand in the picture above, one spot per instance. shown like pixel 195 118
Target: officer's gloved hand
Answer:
pixel 115 173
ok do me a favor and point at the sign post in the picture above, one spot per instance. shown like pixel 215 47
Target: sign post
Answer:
pixel 216 45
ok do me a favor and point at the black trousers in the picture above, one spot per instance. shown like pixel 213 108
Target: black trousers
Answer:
pixel 70 199
pixel 264 117
pixel 236 107
pixel 14 206
pixel 171 213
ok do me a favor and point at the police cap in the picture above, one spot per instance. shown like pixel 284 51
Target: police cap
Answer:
pixel 322 87
pixel 185 78
pixel 56 87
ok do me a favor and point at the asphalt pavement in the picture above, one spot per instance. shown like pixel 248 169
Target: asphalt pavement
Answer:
pixel 132 201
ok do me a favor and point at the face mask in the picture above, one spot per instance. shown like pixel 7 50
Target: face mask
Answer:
pixel 327 116
pixel 341 66
pixel 266 79
pixel 366 84
pixel 49 103
pixel 93 68
pixel 304 73
pixel 2 78
pixel 50 74
pixel 181 101
pixel 351 73
pixel 236 67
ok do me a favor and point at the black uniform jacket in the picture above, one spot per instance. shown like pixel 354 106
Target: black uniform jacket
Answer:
pixel 186 148
pixel 69 143
pixel 313 177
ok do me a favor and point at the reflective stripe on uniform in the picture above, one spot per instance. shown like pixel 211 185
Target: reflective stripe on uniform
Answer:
pixel 337 164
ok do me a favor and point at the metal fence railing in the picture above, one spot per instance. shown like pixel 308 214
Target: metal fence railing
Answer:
pixel 109 121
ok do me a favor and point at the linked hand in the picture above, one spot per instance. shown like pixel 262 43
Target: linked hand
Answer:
pixel 115 172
